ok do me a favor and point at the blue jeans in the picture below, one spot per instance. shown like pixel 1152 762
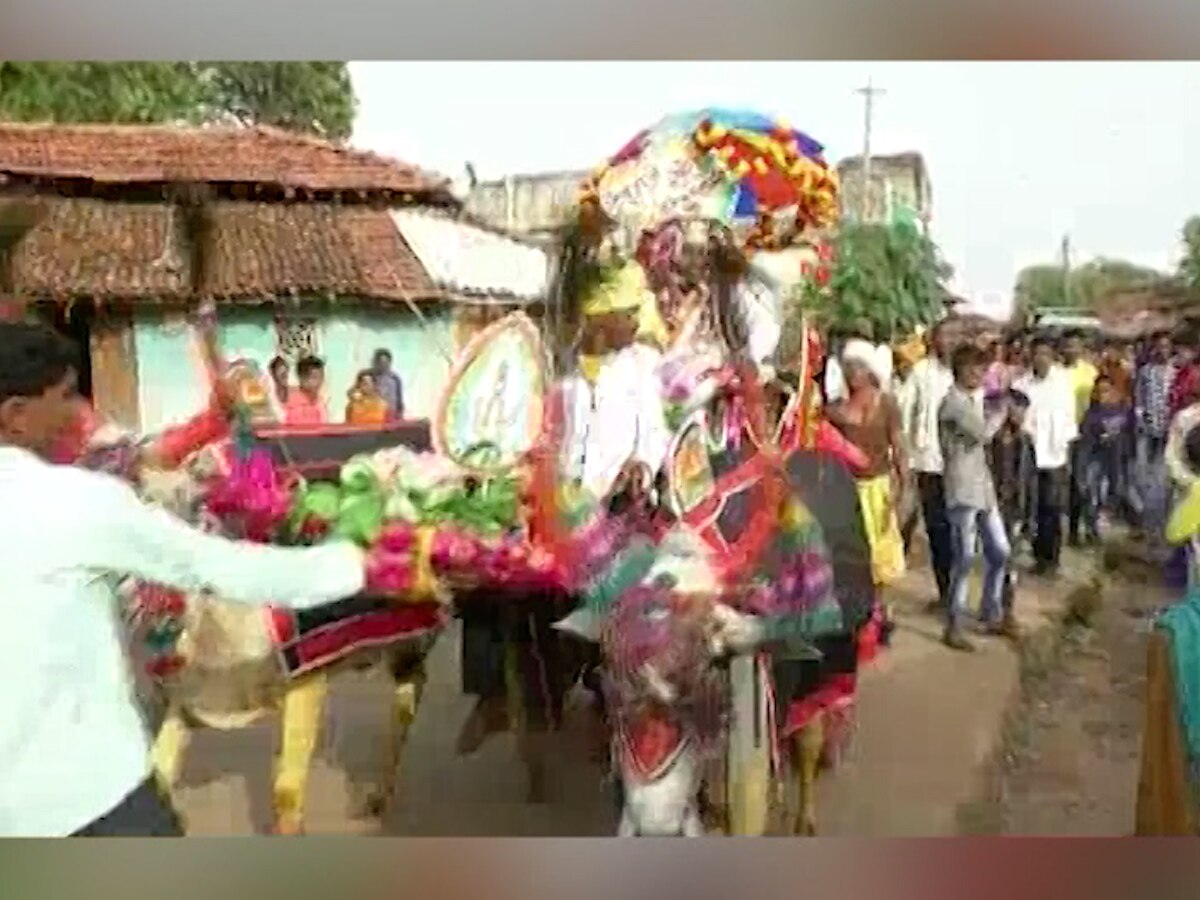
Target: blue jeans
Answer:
pixel 967 523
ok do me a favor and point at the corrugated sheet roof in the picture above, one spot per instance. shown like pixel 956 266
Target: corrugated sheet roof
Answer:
pixel 472 261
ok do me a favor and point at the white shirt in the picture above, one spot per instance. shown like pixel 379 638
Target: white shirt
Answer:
pixel 619 419
pixel 1050 420
pixel 920 399
pixel 72 741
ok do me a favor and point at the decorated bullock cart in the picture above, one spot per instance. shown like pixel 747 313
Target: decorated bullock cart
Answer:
pixel 733 618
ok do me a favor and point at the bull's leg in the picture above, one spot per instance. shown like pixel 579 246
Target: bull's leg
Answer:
pixel 300 726
pixel 170 745
pixel 808 745
pixel 409 684
pixel 531 735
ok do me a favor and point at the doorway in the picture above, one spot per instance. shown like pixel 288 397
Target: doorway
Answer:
pixel 76 322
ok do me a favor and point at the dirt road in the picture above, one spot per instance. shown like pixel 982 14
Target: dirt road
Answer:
pixel 1069 764
pixel 929 721
pixel 226 781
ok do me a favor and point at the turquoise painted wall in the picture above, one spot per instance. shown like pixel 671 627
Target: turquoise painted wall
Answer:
pixel 421 355
pixel 171 382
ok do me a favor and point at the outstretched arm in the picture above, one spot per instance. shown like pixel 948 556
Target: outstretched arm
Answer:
pixel 116 533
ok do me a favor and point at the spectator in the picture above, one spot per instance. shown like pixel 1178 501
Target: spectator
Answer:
pixel 919 403
pixel 1104 438
pixel 279 372
pixel 306 404
pixel 366 407
pixel 1152 417
pixel 1082 375
pixel 1116 367
pixel 1013 464
pixel 995 376
pixel 1052 425
pixel 971 502
pixel 870 419
pixel 1185 388
pixel 388 384
pixel 1016 357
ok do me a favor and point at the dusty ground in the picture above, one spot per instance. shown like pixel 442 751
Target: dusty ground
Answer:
pixel 1068 763
pixel 928 725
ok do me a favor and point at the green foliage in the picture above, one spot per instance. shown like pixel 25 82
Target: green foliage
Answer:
pixel 1084 286
pixel 315 97
pixel 892 276
pixel 1189 266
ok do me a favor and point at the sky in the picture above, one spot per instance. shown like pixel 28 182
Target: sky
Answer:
pixel 1019 154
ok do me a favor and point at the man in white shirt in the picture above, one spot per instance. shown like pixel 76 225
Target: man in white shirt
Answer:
pixel 1051 423
pixel 616 418
pixel 920 401
pixel 74 750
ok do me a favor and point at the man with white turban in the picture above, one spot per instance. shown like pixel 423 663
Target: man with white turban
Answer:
pixel 869 417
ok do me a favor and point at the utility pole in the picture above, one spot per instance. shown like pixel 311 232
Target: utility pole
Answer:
pixel 869 93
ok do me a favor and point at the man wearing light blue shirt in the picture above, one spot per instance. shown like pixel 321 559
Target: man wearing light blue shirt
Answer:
pixel 74 750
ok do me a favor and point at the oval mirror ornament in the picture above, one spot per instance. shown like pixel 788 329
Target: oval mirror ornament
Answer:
pixel 490 413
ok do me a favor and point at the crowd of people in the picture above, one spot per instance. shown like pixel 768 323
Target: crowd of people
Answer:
pixel 375 398
pixel 996 443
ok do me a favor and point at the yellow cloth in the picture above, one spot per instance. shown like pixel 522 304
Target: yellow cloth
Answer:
pixel 590 365
pixel 626 290
pixel 1083 379
pixel 621 291
pixel 1184 522
pixel 883 530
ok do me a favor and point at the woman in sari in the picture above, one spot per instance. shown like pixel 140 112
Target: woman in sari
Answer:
pixel 366 406
pixel 870 419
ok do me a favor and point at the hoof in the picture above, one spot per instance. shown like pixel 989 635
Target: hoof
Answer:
pixel 806 826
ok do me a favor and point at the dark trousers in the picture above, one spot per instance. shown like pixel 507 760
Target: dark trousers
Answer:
pixel 1077 491
pixel 937 527
pixel 1047 542
pixel 145 812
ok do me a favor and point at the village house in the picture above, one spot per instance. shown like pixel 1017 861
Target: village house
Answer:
pixel 899 184
pixel 537 207
pixel 307 247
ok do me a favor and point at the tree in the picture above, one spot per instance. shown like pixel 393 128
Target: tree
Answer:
pixel 1085 286
pixel 892 276
pixel 316 97
pixel 1189 266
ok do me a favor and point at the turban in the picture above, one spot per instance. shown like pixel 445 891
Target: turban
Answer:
pixel 867 354
pixel 627 291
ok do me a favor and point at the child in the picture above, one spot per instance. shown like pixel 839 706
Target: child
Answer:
pixel 1105 435
pixel 1013 463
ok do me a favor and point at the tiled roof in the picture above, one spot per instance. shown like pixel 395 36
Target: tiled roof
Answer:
pixel 473 261
pixel 112 250
pixel 151 154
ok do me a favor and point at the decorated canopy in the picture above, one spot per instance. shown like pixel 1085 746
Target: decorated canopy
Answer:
pixel 767 181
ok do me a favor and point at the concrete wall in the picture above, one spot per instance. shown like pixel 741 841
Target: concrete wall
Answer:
pixel 172 384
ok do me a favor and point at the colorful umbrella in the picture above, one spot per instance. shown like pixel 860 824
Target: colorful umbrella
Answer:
pixel 768 182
